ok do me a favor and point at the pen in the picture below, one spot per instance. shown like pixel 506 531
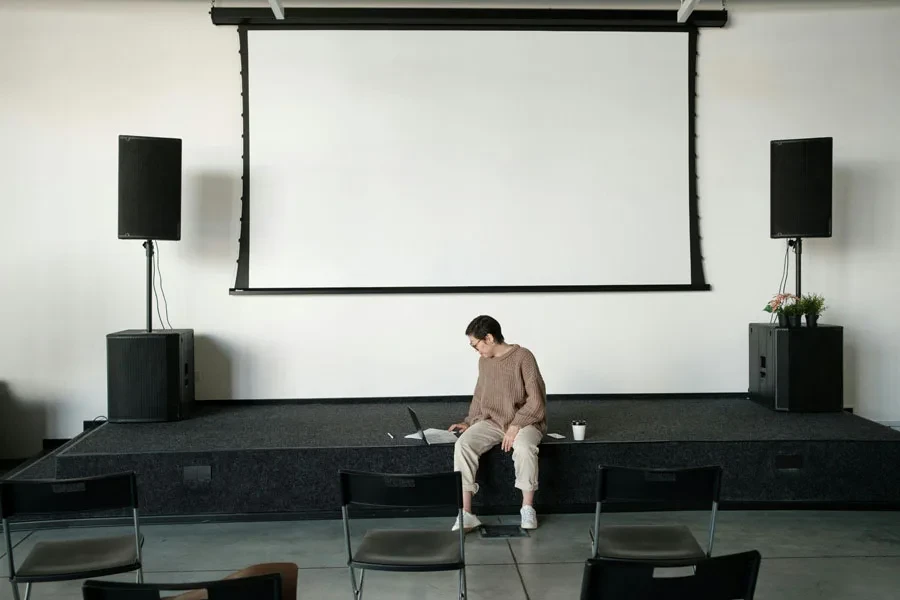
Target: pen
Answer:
pixel 390 436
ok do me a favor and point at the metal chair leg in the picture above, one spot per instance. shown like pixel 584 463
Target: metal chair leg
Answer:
pixel 139 578
pixel 463 590
pixel 353 584
pixel 357 589
pixel 28 590
pixel 15 588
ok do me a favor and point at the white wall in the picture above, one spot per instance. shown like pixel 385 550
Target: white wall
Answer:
pixel 829 72
pixel 76 74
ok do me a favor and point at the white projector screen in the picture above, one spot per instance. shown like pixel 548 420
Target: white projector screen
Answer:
pixel 434 159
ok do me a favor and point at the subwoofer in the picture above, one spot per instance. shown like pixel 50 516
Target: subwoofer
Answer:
pixel 150 375
pixel 797 369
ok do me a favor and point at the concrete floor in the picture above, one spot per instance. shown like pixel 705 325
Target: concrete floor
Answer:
pixel 806 555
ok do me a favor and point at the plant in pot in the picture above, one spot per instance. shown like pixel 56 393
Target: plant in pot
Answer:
pixel 813 306
pixel 779 306
pixel 794 313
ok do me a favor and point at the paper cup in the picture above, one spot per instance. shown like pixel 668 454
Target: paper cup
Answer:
pixel 578 428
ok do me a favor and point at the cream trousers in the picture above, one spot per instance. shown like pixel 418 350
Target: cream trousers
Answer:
pixel 484 435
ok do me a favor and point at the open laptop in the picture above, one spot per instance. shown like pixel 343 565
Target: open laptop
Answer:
pixel 418 425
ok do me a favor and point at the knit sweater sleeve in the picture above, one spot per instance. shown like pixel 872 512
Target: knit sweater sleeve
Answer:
pixel 533 412
pixel 475 407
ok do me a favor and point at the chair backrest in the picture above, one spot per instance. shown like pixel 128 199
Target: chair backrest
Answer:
pixel 729 577
pixel 660 489
pixel 85 495
pixel 402 491
pixel 259 587
pixel 61 496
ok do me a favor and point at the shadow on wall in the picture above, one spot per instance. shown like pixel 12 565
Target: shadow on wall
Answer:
pixel 215 233
pixel 861 209
pixel 859 226
pixel 213 369
pixel 22 425
pixel 851 372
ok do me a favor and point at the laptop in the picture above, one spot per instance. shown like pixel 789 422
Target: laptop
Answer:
pixel 418 425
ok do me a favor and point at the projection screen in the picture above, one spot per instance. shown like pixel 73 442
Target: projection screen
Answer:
pixel 430 160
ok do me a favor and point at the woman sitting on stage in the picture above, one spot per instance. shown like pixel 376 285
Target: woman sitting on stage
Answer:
pixel 508 408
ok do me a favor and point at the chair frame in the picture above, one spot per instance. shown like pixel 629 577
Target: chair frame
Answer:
pixel 90 587
pixel 347 500
pixel 601 494
pixel 8 509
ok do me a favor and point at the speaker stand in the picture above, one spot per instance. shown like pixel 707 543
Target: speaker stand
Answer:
pixel 148 246
pixel 797 245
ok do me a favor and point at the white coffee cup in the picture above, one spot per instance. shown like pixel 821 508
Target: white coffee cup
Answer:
pixel 578 428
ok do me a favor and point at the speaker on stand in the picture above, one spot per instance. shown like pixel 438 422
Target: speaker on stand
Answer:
pixel 800 194
pixel 150 374
pixel 799 369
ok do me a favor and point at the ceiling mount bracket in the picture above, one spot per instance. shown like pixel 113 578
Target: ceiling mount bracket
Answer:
pixel 277 8
pixel 686 10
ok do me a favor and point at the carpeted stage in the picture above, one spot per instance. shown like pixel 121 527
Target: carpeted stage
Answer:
pixel 277 459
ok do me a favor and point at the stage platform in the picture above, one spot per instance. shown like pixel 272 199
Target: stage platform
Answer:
pixel 267 460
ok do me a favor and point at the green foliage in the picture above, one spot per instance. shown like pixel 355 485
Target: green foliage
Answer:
pixel 793 309
pixel 812 304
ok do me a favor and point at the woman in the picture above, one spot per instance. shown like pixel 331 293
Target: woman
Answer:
pixel 508 408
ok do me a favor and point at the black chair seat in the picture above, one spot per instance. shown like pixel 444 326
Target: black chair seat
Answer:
pixel 409 550
pixel 648 542
pixel 49 560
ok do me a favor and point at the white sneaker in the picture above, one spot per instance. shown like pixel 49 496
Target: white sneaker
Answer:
pixel 470 522
pixel 529 517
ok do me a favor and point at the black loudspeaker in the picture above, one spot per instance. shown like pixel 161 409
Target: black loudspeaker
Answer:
pixel 800 195
pixel 799 369
pixel 149 188
pixel 150 376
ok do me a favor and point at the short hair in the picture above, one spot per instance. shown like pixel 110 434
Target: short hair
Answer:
pixel 483 325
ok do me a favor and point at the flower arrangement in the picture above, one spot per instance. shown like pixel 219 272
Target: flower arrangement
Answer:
pixel 790 309
pixel 780 302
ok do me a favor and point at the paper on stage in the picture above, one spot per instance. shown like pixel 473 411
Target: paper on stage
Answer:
pixel 435 436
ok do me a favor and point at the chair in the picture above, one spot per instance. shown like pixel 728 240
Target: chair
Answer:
pixel 404 550
pixel 730 577
pixel 655 489
pixel 259 587
pixel 71 559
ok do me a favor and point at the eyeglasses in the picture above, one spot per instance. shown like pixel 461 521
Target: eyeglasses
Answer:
pixel 475 345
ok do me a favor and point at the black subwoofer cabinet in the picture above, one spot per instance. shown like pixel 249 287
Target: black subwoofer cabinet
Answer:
pixel 797 369
pixel 150 375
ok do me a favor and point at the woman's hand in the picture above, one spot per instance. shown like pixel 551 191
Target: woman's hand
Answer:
pixel 509 438
pixel 460 427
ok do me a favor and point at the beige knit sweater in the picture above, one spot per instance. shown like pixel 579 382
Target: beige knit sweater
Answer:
pixel 510 391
